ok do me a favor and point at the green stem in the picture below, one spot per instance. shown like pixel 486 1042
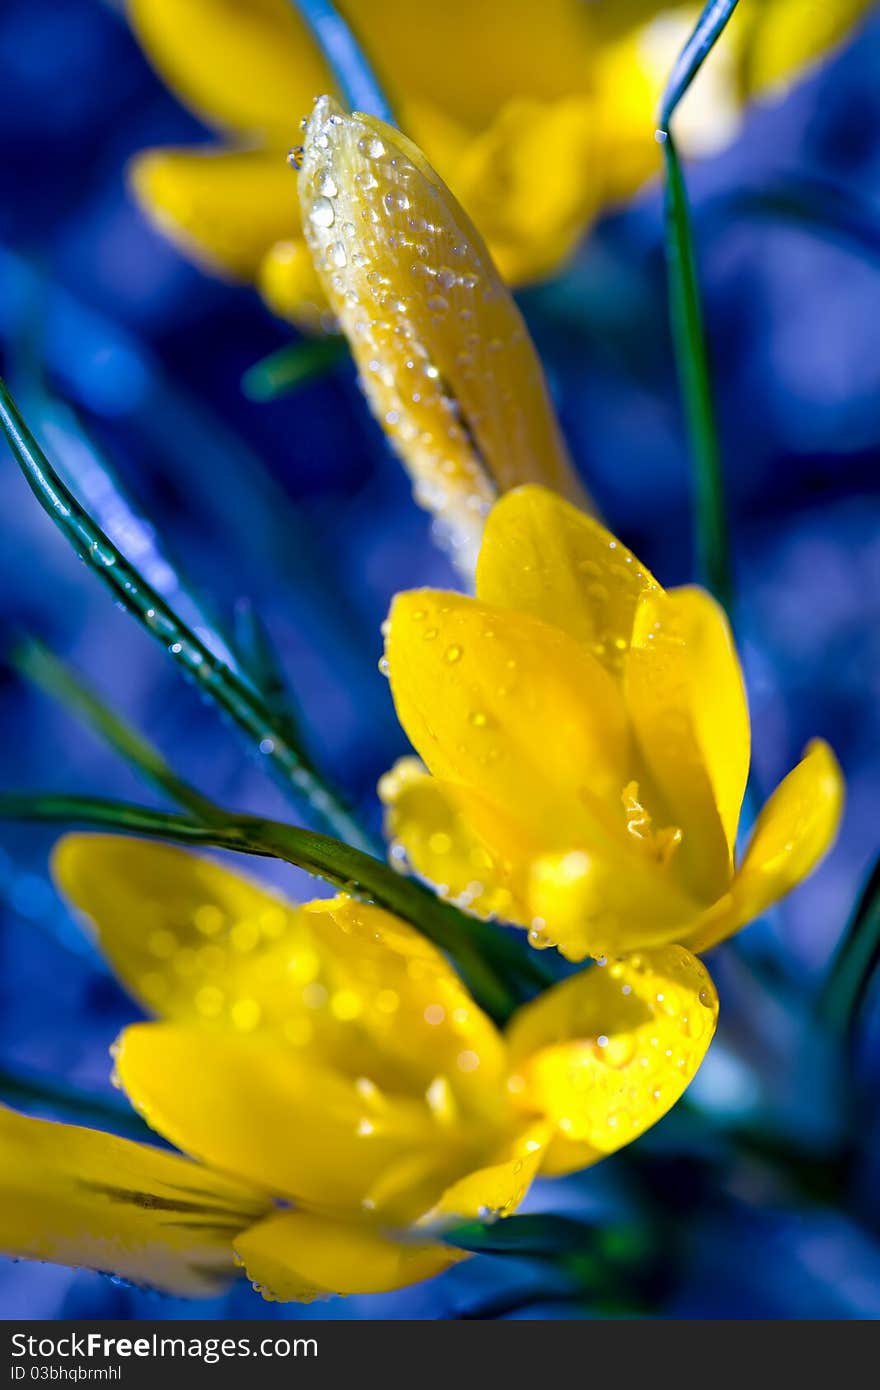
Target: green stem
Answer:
pixel 712 543
pixel 855 963
pixel 40 666
pixel 234 695
pixel 293 366
pixel 346 59
pixel 79 1107
pixel 487 956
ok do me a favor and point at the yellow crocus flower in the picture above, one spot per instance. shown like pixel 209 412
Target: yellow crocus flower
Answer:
pixel 536 116
pixel 340 1092
pixel 586 745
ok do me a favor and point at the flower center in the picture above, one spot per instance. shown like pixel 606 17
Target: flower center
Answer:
pixel 659 844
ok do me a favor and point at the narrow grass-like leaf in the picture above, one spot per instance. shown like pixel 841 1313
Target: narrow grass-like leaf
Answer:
pixel 703 38
pixel 496 962
pixel 855 964
pixel 345 56
pixel 291 367
pixel 214 677
pixel 29 1093
pixel 38 664
pixel 711 541
pixel 261 663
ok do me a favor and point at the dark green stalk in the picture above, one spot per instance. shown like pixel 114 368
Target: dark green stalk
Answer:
pixel 218 681
pixel 39 665
pixel 712 542
pixel 486 955
pixel 345 56
pixel 22 1090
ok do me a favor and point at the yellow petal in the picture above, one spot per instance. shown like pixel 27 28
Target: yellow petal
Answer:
pixel 338 980
pixel 445 359
pixel 685 695
pixel 80 1197
pixel 542 556
pixel 781 39
pixel 296 1256
pixel 795 829
pixel 425 818
pixel 270 1116
pixel 290 286
pixel 223 208
pixel 510 706
pixel 605 899
pixel 609 1051
pixel 252 67
pixel 529 181
pixel 497 1190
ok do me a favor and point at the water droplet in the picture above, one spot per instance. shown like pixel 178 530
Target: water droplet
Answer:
pixel 337 255
pixel 452 655
pixel 323 213
pixel 295 156
pixel 325 183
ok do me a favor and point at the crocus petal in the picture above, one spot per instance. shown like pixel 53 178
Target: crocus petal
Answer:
pixel 299 1255
pixel 446 362
pixel 289 284
pixel 530 183
pixel 608 1052
pixel 223 208
pixel 685 694
pixel 338 980
pixel 427 820
pixel 795 829
pixel 782 39
pixel 80 1197
pixel 251 67
pixel 542 556
pixel 496 1190
pixel 606 899
pixel 267 1115
pixel 472 685
pixel 185 934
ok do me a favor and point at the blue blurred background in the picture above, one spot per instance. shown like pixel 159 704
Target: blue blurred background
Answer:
pixel 298 506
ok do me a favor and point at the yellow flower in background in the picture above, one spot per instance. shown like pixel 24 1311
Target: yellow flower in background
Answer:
pixel 586 744
pixel 341 1092
pixel 537 116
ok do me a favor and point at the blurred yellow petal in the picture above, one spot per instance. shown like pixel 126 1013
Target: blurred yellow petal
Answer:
pixel 473 685
pixel 426 820
pixel 606 899
pixel 223 208
pixel 530 183
pixel 498 1189
pixel 338 980
pixel 608 1052
pixel 250 65
pixel 184 934
pixel 79 1197
pixel 542 556
pixel 795 829
pixel 686 699
pixel 271 1117
pixel 290 286
pixel 781 39
pixel 299 1255
pixel 444 356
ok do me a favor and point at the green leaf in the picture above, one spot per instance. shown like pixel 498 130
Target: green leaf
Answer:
pixel 38 664
pixel 711 540
pixel 24 1091
pixel 291 367
pixel 855 964
pixel 214 677
pixel 498 965
pixel 536 1237
pixel 260 661
pixel 704 36
pixel 346 59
